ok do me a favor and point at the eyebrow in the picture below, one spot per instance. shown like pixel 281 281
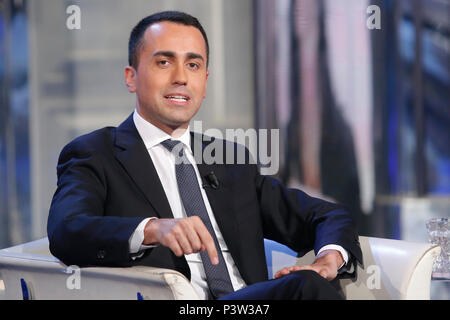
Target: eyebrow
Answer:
pixel 171 54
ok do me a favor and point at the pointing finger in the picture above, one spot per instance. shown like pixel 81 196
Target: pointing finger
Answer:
pixel 207 242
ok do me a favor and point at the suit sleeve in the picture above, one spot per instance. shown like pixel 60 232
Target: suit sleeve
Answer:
pixel 79 233
pixel 302 222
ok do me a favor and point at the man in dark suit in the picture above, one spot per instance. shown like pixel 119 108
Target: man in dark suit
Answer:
pixel 138 195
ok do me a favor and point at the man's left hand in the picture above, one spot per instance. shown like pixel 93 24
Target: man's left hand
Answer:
pixel 326 264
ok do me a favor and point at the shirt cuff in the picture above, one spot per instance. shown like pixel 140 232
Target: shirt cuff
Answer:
pixel 136 239
pixel 343 252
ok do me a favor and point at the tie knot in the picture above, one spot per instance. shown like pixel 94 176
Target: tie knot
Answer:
pixel 170 145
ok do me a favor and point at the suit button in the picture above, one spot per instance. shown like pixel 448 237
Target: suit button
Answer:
pixel 101 254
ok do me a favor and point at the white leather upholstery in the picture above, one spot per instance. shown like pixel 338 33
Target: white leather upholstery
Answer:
pixel 394 269
pixel 47 278
pixel 402 268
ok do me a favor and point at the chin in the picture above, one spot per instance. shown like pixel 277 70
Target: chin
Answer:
pixel 177 123
pixel 181 119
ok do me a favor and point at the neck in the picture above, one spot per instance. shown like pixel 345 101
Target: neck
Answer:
pixel 175 131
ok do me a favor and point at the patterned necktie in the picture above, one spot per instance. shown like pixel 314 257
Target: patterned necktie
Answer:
pixel 217 276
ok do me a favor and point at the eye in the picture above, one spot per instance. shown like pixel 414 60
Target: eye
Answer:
pixel 193 65
pixel 162 63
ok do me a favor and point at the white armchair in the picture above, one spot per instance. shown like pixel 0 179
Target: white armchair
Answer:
pixel 394 269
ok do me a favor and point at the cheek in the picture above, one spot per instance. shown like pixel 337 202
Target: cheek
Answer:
pixel 201 90
pixel 151 80
pixel 149 88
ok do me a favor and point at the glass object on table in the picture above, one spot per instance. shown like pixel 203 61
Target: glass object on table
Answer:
pixel 439 233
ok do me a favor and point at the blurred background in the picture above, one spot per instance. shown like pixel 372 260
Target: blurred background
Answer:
pixel 359 90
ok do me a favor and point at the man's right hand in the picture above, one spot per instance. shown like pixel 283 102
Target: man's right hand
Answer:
pixel 182 236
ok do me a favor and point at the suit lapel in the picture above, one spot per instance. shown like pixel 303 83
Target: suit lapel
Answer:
pixel 219 198
pixel 133 155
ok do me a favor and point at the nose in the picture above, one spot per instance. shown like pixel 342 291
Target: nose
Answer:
pixel 179 75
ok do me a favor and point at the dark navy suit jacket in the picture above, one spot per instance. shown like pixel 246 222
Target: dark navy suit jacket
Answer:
pixel 107 185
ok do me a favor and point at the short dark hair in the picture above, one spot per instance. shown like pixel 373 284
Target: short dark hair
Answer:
pixel 135 41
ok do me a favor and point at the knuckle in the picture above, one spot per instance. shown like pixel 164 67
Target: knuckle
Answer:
pixel 168 239
pixel 178 252
pixel 183 223
pixel 197 246
pixel 176 231
pixel 195 219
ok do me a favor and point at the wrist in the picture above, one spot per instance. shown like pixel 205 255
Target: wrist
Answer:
pixel 150 232
pixel 332 256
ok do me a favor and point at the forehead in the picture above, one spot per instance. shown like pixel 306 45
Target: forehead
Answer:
pixel 176 37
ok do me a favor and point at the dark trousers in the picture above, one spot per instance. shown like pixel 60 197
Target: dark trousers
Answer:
pixel 299 285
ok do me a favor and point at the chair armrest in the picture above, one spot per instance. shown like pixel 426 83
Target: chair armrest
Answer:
pixel 394 269
pixel 47 278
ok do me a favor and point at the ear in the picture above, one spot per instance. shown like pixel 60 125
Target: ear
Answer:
pixel 130 78
pixel 206 83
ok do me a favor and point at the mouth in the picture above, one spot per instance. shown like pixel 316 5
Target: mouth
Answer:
pixel 178 98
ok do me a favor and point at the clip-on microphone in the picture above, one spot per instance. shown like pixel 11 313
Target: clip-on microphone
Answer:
pixel 212 181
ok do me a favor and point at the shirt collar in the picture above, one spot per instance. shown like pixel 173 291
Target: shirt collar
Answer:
pixel 153 136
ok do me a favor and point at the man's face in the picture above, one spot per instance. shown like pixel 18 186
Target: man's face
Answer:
pixel 170 80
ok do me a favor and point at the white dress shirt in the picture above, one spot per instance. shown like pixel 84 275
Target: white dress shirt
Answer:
pixel 164 162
